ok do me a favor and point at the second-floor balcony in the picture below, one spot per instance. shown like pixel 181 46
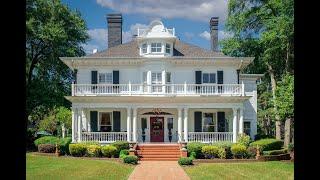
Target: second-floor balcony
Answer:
pixel 157 89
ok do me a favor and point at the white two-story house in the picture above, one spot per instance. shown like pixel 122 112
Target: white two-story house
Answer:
pixel 157 88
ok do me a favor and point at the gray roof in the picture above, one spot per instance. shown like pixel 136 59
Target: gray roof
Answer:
pixel 131 49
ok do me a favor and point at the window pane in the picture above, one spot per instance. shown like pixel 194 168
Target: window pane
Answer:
pixel 102 77
pixel 159 77
pixel 144 48
pixel 153 77
pixel 212 78
pixel 168 77
pixel 205 78
pixel 109 78
pixel 246 128
pixel 105 119
pixel 168 48
pixel 170 123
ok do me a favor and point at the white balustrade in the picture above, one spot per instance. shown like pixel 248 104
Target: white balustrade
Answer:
pixel 207 137
pixel 158 89
pixel 104 136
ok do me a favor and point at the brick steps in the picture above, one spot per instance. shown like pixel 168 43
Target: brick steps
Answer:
pixel 158 152
pixel 159 159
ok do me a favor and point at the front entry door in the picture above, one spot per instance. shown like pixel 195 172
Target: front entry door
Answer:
pixel 156 133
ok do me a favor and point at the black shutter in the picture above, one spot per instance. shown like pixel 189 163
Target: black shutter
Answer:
pixel 197 121
pixel 198 80
pixel 115 76
pixel 116 121
pixel 221 122
pixel 94 77
pixel 220 81
pixel 75 75
pixel 94 121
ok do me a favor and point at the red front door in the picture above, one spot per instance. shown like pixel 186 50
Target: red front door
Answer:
pixel 156 133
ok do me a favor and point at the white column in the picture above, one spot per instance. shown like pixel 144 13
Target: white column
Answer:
pixel 241 121
pixel 128 124
pixel 234 127
pixel 163 81
pixel 134 124
pixel 179 124
pixel 74 116
pixel 185 125
pixel 149 81
pixel 79 124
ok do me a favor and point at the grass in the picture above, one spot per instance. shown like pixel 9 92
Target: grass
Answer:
pixel 51 167
pixel 256 170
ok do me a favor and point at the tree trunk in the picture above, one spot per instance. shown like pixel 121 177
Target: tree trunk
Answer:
pixel 63 130
pixel 287 134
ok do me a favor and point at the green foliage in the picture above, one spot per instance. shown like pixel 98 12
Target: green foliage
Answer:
pixel 130 159
pixel 46 148
pixel 275 152
pixel 285 97
pixel 120 145
pixel 193 155
pixel 211 152
pixel 239 151
pixel 109 151
pixel 77 149
pixel 290 147
pixel 49 123
pixel 123 153
pixel 90 143
pixel 226 145
pixel 93 150
pixel 46 140
pixel 251 152
pixel 63 116
pixel 195 147
pixel 244 139
pixel 268 144
pixel 185 161
pixel 64 145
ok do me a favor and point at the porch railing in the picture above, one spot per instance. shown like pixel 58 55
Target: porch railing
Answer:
pixel 207 137
pixel 157 89
pixel 104 136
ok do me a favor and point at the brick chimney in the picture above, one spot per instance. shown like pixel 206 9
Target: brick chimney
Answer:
pixel 114 29
pixel 214 21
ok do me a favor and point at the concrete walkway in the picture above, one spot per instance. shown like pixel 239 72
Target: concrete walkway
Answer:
pixel 158 170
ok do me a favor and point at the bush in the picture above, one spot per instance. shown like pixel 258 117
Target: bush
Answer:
pixel 239 151
pixel 195 147
pixel 210 151
pixel 290 147
pixel 275 152
pixel 262 136
pixel 268 144
pixel 193 155
pixel 222 153
pixel 120 145
pixel 227 147
pixel 130 159
pixel 46 148
pixel 123 153
pixel 93 150
pixel 244 140
pixel 46 140
pixel 185 161
pixel 109 151
pixel 77 149
pixel 90 143
pixel 251 152
pixel 64 145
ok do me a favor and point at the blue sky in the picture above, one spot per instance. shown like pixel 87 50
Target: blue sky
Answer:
pixel 190 18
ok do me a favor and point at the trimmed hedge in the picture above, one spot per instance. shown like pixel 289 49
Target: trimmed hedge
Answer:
pixel 268 144
pixel 46 140
pixel 46 148
pixel 239 151
pixel 64 145
pixel 227 147
pixel 193 155
pixel 195 147
pixel 123 153
pixel 130 159
pixel 93 150
pixel 120 145
pixel 244 140
pixel 211 152
pixel 185 161
pixel 77 149
pixel 109 151
pixel 275 152
pixel 251 152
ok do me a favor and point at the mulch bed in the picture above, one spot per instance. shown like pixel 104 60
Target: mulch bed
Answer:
pixel 68 156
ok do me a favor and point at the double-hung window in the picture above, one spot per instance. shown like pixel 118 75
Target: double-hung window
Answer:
pixel 168 48
pixel 105 123
pixel 155 47
pixel 144 48
pixel 209 122
pixel 246 127
pixel 156 81
pixel 209 78
pixel 105 78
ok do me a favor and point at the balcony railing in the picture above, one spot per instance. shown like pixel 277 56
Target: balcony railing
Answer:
pixel 104 136
pixel 207 137
pixel 156 89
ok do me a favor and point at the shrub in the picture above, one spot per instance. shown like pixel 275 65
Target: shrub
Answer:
pixel 195 147
pixel 46 140
pixel 120 145
pixel 275 152
pixel 227 147
pixel 185 161
pixel 210 151
pixel 268 144
pixel 290 147
pixel 244 139
pixel 262 136
pixel 64 145
pixel 251 152
pixel 239 151
pixel 90 143
pixel 123 153
pixel 109 151
pixel 193 155
pixel 93 150
pixel 77 149
pixel 222 154
pixel 130 159
pixel 46 148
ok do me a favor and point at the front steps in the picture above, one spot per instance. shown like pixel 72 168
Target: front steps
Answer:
pixel 158 152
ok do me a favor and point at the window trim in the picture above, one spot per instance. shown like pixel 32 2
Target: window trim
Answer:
pixel 216 120
pixel 105 77
pixel 156 72
pixel 156 47
pixel 146 48
pixel 99 120
pixel 209 77
pixel 249 127
pixel 168 48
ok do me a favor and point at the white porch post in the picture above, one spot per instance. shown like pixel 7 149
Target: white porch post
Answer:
pixel 128 124
pixel 234 127
pixel 79 124
pixel 74 116
pixel 149 81
pixel 179 124
pixel 241 121
pixel 163 81
pixel 185 125
pixel 134 124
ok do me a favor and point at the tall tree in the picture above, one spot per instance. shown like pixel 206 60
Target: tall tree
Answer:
pixel 52 31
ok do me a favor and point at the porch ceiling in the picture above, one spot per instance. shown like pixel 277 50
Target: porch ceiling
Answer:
pixel 153 99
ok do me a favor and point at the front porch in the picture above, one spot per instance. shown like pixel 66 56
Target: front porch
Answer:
pixel 169 125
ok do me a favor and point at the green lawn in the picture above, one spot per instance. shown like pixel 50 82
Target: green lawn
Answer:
pixel 47 167
pixel 256 170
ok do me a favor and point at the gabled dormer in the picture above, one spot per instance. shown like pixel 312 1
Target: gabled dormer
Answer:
pixel 156 40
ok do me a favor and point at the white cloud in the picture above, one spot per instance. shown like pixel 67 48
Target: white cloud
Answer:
pixel 200 10
pixel 205 35
pixel 189 35
pixel 221 35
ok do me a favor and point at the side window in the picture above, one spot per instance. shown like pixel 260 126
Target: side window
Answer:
pixel 246 127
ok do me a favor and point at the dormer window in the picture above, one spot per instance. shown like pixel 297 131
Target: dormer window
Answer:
pixel 144 48
pixel 155 47
pixel 168 48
